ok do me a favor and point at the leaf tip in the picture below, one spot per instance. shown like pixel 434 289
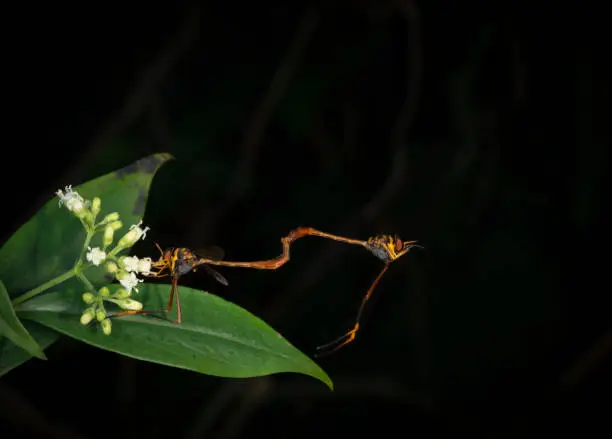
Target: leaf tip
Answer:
pixel 318 373
pixel 41 356
pixel 329 383
pixel 147 165
pixel 166 156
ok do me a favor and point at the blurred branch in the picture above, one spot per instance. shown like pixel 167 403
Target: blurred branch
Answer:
pixel 126 382
pixel 392 186
pixel 260 391
pixel 589 362
pixel 214 408
pixel 159 122
pixel 325 149
pixel 254 131
pixel 354 386
pixel 414 61
pixel 18 411
pixel 145 87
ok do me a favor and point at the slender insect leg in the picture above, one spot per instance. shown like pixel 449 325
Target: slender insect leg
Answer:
pixel 347 338
pixel 179 312
pixel 173 291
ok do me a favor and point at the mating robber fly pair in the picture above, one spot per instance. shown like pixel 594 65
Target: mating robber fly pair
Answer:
pixel 176 262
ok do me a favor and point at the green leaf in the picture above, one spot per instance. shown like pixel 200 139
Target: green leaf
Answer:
pixel 12 355
pixel 216 337
pixel 50 242
pixel 11 327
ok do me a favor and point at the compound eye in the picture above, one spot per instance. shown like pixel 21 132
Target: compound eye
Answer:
pixel 399 245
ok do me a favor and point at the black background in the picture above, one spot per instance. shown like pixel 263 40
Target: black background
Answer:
pixel 479 128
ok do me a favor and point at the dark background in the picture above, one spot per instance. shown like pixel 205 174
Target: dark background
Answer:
pixel 482 129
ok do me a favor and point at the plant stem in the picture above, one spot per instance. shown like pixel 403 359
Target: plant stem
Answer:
pixel 44 287
pixel 85 246
pixel 88 284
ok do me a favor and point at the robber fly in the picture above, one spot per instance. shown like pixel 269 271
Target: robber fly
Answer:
pixel 176 262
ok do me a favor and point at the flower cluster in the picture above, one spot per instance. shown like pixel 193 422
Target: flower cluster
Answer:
pixel 124 268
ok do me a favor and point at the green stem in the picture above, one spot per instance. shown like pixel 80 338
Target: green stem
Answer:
pixel 88 284
pixel 85 246
pixel 44 287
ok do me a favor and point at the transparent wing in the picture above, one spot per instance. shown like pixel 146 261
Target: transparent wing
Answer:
pixel 211 252
pixel 214 273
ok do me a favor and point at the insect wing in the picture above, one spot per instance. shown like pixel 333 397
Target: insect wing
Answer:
pixel 379 251
pixel 212 252
pixel 216 275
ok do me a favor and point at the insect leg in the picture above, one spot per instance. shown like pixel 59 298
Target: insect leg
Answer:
pixel 173 292
pixel 343 340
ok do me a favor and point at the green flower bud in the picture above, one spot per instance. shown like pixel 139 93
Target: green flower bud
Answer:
pixel 87 316
pixel 100 314
pixel 121 293
pixel 110 218
pixel 107 326
pixel 130 304
pixel 95 207
pixel 111 267
pixel 107 238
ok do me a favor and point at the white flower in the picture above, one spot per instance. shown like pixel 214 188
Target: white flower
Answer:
pixel 142 233
pixel 73 201
pixel 129 263
pixel 134 265
pixel 128 280
pixel 144 266
pixel 95 255
pixel 135 233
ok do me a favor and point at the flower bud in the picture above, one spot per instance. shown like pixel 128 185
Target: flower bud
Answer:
pixel 100 314
pixel 114 216
pixel 107 238
pixel 107 326
pixel 130 304
pixel 121 293
pixel 95 207
pixel 87 316
pixel 111 267
pixel 88 298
